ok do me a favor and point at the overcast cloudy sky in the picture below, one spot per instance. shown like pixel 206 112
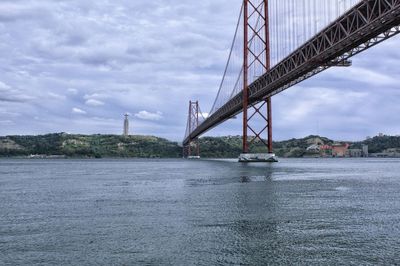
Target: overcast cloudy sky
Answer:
pixel 77 66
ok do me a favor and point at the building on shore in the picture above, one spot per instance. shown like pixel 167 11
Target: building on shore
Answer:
pixel 326 150
pixel 126 125
pixel 365 152
pixel 355 153
pixel 340 149
pixel 388 153
pixel 336 150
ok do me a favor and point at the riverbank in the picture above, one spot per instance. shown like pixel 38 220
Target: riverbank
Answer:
pixel 62 145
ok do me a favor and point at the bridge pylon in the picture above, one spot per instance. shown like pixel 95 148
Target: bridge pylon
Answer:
pixel 256 62
pixel 192 149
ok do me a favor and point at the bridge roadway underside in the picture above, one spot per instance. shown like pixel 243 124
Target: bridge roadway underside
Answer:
pixel 365 25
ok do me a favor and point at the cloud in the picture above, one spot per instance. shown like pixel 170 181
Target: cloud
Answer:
pixel 8 94
pixel 315 98
pixel 364 75
pixel 72 91
pixel 56 96
pixel 93 102
pixel 144 115
pixel 5 113
pixel 95 95
pixel 130 56
pixel 10 12
pixel 76 110
pixel 6 122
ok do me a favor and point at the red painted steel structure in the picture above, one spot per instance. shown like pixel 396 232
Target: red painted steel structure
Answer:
pixel 193 123
pixel 365 25
pixel 256 24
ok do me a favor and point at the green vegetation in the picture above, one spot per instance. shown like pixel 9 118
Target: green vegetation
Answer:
pixel 92 146
pixel 298 147
pixel 380 143
pixel 100 146
pixel 231 147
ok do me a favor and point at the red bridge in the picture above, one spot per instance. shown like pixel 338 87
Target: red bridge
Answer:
pixel 279 43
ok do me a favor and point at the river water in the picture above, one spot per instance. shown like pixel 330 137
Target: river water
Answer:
pixel 208 212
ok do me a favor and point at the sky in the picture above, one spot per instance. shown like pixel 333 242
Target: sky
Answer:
pixel 78 66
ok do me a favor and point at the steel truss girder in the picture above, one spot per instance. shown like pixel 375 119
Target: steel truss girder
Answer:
pixel 365 25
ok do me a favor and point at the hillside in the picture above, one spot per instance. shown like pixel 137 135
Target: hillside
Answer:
pixel 100 146
pixel 89 146
pixel 231 146
pixel 380 143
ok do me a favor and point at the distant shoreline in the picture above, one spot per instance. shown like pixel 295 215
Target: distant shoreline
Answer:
pixel 75 146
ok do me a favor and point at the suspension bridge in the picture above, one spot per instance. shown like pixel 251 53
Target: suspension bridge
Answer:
pixel 278 44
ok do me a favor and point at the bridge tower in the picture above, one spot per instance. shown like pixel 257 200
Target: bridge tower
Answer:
pixel 192 149
pixel 256 61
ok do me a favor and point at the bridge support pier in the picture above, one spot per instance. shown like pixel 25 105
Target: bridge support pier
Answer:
pixel 192 150
pixel 257 158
